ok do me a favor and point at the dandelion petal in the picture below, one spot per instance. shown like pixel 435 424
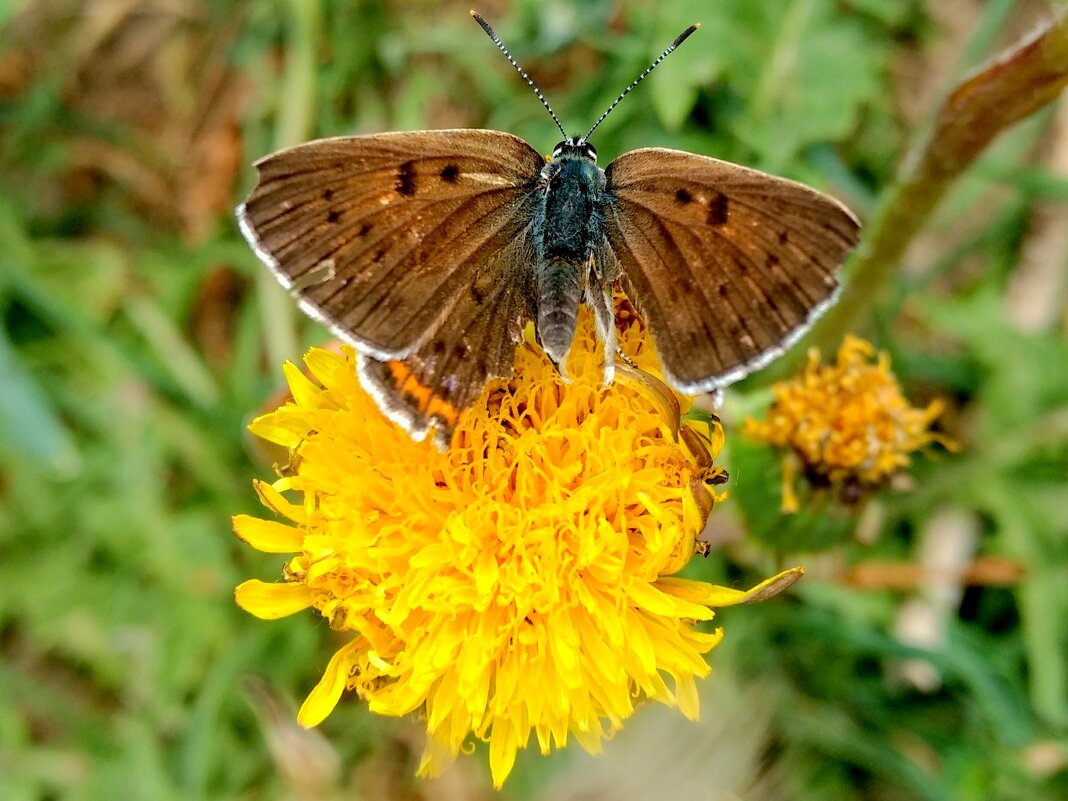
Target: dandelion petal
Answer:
pixel 272 601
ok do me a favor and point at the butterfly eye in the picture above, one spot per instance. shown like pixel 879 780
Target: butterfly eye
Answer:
pixel 575 146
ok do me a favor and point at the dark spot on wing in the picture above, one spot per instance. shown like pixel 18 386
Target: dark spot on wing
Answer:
pixel 723 289
pixel 680 287
pixel 477 294
pixel 682 196
pixel 450 173
pixel 333 216
pixel 717 209
pixel 328 195
pixel 405 184
pixel 783 237
pixel 438 346
pixel 460 351
pixel 772 260
pixel 364 228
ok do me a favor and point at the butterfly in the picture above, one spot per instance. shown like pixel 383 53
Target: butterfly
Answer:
pixel 430 251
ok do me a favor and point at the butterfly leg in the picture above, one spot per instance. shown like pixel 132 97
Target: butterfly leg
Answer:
pixel 599 301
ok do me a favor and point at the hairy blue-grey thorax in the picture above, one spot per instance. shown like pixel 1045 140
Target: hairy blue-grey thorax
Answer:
pixel 572 208
pixel 571 229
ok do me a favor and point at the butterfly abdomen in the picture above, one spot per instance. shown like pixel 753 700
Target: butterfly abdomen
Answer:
pixel 559 287
pixel 571 223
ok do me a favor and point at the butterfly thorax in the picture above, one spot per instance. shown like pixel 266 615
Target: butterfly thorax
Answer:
pixel 571 229
pixel 573 187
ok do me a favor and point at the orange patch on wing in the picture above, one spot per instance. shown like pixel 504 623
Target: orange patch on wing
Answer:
pixel 430 404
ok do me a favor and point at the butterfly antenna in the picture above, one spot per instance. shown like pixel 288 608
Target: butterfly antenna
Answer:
pixel 678 40
pixel 500 46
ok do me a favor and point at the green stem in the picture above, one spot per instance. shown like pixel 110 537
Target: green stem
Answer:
pixel 297 107
pixel 783 59
pixel 296 111
pixel 1013 86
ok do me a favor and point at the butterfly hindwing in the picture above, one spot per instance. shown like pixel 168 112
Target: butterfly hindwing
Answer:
pixel 728 265
pixel 449 370
pixel 380 236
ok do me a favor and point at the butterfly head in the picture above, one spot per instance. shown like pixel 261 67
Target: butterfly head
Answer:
pixel 575 147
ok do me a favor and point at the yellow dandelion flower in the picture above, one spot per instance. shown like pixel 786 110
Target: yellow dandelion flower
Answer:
pixel 847 423
pixel 520 582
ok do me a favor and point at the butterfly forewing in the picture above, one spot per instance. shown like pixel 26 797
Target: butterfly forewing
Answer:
pixel 381 236
pixel 728 265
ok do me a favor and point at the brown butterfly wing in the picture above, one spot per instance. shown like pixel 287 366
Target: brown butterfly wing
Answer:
pixel 728 266
pixel 380 236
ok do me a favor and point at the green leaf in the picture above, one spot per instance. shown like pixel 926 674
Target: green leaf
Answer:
pixel 756 486
pixel 890 12
pixel 811 83
pixel 29 426
pixel 801 70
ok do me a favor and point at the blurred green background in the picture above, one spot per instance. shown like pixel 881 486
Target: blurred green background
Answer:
pixel 925 656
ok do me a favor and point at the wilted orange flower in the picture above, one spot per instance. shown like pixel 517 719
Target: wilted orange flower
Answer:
pixel 847 423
